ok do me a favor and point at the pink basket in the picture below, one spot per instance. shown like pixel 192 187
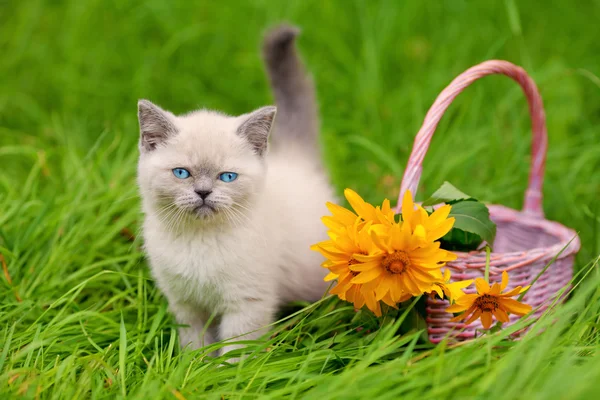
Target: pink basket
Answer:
pixel 525 242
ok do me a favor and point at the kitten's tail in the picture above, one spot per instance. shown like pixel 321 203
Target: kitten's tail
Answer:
pixel 297 115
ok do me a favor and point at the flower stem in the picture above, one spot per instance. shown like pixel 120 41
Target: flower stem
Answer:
pixel 487 264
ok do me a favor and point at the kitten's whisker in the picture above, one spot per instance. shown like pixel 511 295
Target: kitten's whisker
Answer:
pixel 165 207
pixel 240 215
pixel 243 205
pixel 235 204
pixel 166 220
pixel 180 217
pixel 229 217
pixel 164 214
pixel 172 218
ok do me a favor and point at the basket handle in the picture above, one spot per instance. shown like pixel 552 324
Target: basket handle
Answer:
pixel 533 195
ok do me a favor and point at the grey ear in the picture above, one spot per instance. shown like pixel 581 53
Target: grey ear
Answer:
pixel 257 126
pixel 156 125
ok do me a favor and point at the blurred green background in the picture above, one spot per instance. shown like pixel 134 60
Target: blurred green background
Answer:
pixel 72 71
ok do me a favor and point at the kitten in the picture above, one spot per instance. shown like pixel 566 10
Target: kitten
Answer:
pixel 228 224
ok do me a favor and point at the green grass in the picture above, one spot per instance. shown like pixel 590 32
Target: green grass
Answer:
pixel 83 319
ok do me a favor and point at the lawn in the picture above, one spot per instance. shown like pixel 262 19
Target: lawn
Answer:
pixel 80 316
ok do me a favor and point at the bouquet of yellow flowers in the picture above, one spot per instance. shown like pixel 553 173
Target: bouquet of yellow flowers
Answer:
pixel 378 256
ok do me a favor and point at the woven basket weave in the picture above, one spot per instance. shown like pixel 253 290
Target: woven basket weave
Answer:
pixel 525 240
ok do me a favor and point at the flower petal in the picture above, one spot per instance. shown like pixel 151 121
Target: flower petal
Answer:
pixel 332 255
pixel 441 230
pixel 504 280
pixel 500 315
pixel 401 235
pixel 475 315
pixel 458 317
pixel 338 268
pixel 495 290
pixel 372 285
pixel 418 238
pixel 420 232
pixel 330 276
pixel 454 290
pixel 408 206
pixel 467 299
pixel 387 299
pixel 512 292
pixel 404 297
pixel 424 275
pixel 514 307
pixel 464 315
pixel 358 298
pixel 364 266
pixel 383 288
pixel 342 214
pixel 346 244
pixel 455 308
pixel 482 286
pixel 387 211
pixel 447 275
pixel 396 288
pixel 366 258
pixel 366 276
pixel 379 241
pixel 486 319
pixel 362 208
pixel 410 284
pixel 439 215
pixel 437 289
pixel 372 304
pixel 342 287
pixel 332 223
pixel 325 243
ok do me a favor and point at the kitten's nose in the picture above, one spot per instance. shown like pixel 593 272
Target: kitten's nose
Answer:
pixel 203 193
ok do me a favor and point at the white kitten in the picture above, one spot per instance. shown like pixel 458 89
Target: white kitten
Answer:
pixel 227 224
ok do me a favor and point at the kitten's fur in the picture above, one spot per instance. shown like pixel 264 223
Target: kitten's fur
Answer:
pixel 246 251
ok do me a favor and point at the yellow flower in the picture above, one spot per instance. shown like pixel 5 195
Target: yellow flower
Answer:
pixel 489 301
pixel 340 219
pixel 402 263
pixel 452 290
pixel 436 225
pixel 376 259
pixel 339 251
pixel 343 217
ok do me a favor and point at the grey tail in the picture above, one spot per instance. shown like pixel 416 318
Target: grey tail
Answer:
pixel 297 114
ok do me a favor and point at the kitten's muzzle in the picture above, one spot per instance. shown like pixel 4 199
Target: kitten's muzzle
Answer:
pixel 203 193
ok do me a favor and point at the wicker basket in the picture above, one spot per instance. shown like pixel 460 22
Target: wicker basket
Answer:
pixel 525 240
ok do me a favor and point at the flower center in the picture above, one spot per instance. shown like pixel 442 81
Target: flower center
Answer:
pixel 396 263
pixel 486 302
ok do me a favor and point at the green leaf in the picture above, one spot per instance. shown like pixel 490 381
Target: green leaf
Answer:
pixel 474 217
pixel 447 193
pixel 459 240
pixel 123 356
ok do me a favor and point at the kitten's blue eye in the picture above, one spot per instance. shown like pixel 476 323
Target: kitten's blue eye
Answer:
pixel 181 173
pixel 228 176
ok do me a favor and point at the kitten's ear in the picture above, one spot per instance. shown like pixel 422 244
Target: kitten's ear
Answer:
pixel 256 128
pixel 156 125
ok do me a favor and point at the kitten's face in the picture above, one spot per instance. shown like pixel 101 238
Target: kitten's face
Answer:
pixel 205 167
